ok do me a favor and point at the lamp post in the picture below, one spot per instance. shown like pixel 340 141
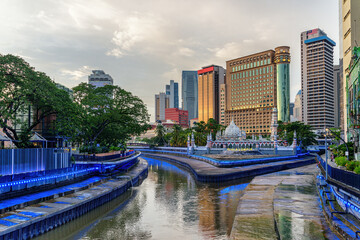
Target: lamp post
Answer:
pixel 326 157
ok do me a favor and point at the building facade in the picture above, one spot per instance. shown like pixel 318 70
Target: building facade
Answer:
pixel 173 91
pixel 317 79
pixel 337 95
pixel 353 103
pixel 349 38
pixel 162 102
pixel 99 79
pixel 298 107
pixel 189 87
pixel 251 90
pixel 209 80
pixel 282 60
pixel 181 117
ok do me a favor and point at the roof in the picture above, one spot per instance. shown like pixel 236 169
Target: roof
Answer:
pixel 326 38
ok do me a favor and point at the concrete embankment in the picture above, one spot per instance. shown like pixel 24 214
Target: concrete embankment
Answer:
pixel 283 205
pixel 205 172
pixel 33 220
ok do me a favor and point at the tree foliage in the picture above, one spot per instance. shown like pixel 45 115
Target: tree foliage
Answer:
pixel 304 133
pixel 108 115
pixel 24 90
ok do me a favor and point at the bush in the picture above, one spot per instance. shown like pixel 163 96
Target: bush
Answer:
pixel 341 161
pixel 113 148
pixel 357 170
pixel 351 165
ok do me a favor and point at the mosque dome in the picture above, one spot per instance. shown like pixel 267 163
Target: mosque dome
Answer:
pixel 232 131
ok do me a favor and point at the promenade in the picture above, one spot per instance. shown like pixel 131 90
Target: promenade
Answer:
pixel 282 205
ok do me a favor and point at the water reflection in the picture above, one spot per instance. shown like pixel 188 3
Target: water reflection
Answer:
pixel 170 205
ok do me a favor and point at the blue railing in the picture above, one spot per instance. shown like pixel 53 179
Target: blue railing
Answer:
pixel 346 177
pixel 232 163
pixel 87 157
pixel 14 161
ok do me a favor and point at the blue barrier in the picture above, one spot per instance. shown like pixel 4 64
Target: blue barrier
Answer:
pixel 87 157
pixel 232 163
pixel 14 161
pixel 346 177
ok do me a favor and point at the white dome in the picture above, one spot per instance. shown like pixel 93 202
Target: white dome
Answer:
pixel 232 131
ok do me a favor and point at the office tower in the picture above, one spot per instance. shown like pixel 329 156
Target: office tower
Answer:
pixel 99 79
pixel 181 117
pixel 222 103
pixel 298 107
pixel 251 90
pixel 317 79
pixel 337 95
pixel 209 80
pixel 189 84
pixel 291 109
pixel 349 38
pixel 173 91
pixel 282 60
pixel 162 101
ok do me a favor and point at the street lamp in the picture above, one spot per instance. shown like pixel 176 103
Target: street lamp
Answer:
pixel 326 130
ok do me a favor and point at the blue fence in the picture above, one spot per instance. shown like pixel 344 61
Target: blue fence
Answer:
pixel 346 177
pixel 87 157
pixel 14 161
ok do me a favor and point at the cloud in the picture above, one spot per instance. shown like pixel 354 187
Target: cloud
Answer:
pixel 77 74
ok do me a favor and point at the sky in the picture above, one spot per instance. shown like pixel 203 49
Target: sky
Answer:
pixel 145 44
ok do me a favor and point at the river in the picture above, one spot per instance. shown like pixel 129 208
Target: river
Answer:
pixel 169 204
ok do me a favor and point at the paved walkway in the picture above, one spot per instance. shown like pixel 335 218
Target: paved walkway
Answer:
pixel 207 172
pixel 283 205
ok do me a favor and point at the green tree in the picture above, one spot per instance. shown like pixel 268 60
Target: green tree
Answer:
pixel 160 135
pixel 304 133
pixel 109 114
pixel 26 91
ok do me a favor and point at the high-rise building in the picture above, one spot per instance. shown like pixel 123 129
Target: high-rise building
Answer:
pixel 173 91
pixel 161 103
pixel 337 95
pixel 251 90
pixel 317 79
pixel 99 79
pixel 209 80
pixel 181 117
pixel 298 107
pixel 190 93
pixel 349 38
pixel 282 60
pixel 222 103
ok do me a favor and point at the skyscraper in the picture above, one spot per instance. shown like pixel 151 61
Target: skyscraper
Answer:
pixel 161 103
pixel 317 79
pixel 209 80
pixel 349 38
pixel 298 107
pixel 190 93
pixel 99 79
pixel 251 90
pixel 282 60
pixel 173 91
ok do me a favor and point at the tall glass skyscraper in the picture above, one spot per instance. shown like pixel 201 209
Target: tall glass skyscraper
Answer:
pixel 190 93
pixel 282 60
pixel 173 91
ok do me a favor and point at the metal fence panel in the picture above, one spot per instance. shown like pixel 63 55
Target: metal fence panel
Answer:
pixel 14 161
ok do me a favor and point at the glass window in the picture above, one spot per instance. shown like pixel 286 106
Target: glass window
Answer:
pixel 247 66
pixel 261 63
pixel 269 61
pixel 267 69
pixel 233 69
pixel 251 65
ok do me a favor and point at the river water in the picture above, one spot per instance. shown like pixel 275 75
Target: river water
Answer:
pixel 169 204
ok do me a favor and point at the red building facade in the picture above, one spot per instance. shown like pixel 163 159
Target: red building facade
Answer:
pixel 177 115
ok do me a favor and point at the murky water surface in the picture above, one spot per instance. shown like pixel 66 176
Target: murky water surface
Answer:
pixel 168 205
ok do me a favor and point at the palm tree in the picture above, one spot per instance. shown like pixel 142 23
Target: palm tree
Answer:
pixel 160 134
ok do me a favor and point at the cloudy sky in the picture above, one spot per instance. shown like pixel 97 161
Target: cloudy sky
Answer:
pixel 144 44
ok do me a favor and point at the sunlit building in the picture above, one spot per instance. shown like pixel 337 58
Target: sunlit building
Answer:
pixel 99 79
pixel 209 80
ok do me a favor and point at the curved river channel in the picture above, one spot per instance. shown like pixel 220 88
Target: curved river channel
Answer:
pixel 169 204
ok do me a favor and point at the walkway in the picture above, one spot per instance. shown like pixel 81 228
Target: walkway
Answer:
pixel 283 205
pixel 206 172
